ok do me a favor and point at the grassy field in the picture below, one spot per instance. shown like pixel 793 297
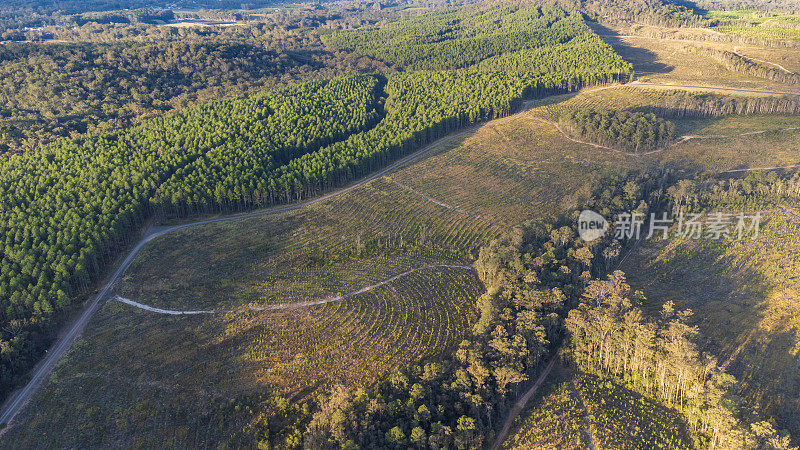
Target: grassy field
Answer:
pixel 583 411
pixel 745 298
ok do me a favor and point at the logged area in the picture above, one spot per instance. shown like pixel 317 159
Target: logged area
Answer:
pixel 399 225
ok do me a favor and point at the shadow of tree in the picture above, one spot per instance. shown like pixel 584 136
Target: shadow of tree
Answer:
pixel 743 320
pixel 644 61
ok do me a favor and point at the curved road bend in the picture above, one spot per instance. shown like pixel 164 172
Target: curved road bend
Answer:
pixel 17 400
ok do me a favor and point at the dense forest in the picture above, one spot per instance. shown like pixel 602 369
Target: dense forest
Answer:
pixel 651 12
pixel 53 90
pixel 109 77
pixel 69 207
pixel 756 190
pixel 624 130
pixel 451 40
pixel 164 68
pixel 782 6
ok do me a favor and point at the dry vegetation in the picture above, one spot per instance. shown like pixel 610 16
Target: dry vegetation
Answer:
pixel 660 56
pixel 577 410
pixel 341 245
pixel 518 170
pixel 185 374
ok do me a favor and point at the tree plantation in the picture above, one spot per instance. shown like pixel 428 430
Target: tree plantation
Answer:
pixel 69 207
pixel 631 131
pixel 459 39
pixel 361 225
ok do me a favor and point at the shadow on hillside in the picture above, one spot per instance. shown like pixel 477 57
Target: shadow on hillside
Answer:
pixel 644 61
pixel 741 322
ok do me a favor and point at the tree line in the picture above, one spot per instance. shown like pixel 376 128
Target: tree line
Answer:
pixel 755 190
pixel 738 63
pixel 677 104
pixel 610 335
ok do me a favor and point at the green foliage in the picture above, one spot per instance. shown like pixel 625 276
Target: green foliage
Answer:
pixel 757 24
pixel 631 131
pixel 554 419
pixel 625 419
pixel 529 39
pixel 584 55
pixel 454 39
pixel 652 12
pixel 54 90
pixel 265 133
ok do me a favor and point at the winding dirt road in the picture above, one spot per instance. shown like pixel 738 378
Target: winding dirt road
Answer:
pixel 170 312
pixel 520 405
pixel 17 400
